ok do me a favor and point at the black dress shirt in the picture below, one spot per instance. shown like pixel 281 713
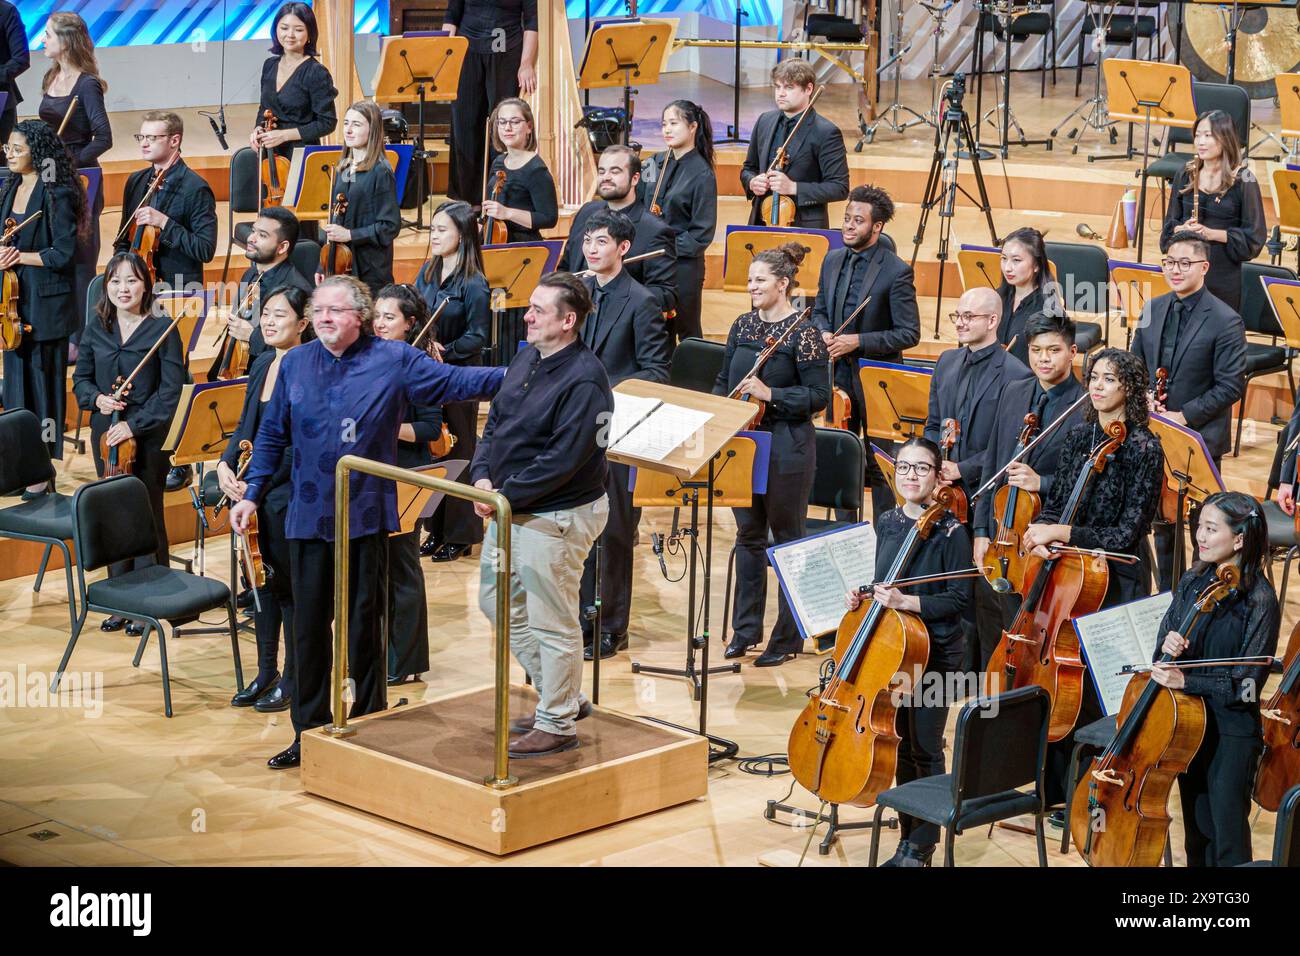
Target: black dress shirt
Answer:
pixel 155 391
pixel 304 103
pixel 465 325
pixel 688 199
pixel 14 58
pixel 478 20
pixel 374 220
pixel 280 276
pixel 948 548
pixel 89 134
pixel 659 274
pixel 189 240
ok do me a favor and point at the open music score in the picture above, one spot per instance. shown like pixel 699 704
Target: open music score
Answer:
pixel 1117 637
pixel 816 572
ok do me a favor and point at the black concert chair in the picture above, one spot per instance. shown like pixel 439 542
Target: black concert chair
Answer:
pixel 112 522
pixel 1283 542
pixel 245 197
pixel 1083 271
pixel 1038 23
pixel 996 751
pixel 47 520
pixel 696 364
pixel 1286 835
pixel 306 258
pixel 1257 315
pixel 1123 29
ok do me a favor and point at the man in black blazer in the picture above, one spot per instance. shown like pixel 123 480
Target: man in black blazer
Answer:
pixel 1202 344
pixel 626 330
pixel 14 60
pixel 269 250
pixel 818 170
pixel 183 205
pixel 618 170
pixel 887 325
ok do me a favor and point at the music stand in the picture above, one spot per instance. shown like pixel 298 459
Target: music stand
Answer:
pixel 979 267
pixel 418 68
pixel 512 271
pixel 743 243
pixel 1146 93
pixel 1284 297
pixel 886 465
pixel 1136 285
pixel 619 51
pixel 896 397
pixel 1190 472
pixel 1288 102
pixel 309 188
pixel 1286 202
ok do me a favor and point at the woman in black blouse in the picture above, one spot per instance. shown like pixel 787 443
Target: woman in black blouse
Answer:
pixel 1215 789
pixel 1231 214
pixel 688 200
pixel 400 315
pixel 42 256
pixel 284 326
pixel 940 606
pixel 112 345
pixel 296 88
pixel 454 274
pixel 372 220
pixel 1027 289
pixel 795 386
pixel 88 134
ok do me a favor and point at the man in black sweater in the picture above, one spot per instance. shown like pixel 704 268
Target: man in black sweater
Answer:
pixel 627 332
pixel 541 449
pixel 269 247
pixel 14 60
pixel 618 170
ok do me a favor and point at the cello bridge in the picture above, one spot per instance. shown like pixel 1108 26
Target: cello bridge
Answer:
pixel 1021 640
pixel 1275 715
pixel 1108 776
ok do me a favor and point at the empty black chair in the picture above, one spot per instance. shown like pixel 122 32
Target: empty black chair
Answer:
pixel 1000 746
pixel 245 197
pixel 838 479
pixel 696 364
pixel 1262 358
pixel 47 520
pixel 1283 542
pixel 1039 23
pixel 112 522
pixel 306 258
pixel 1124 29
pixel 1286 835
pixel 1083 272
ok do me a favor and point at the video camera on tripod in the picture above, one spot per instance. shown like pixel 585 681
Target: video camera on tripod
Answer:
pixel 953 92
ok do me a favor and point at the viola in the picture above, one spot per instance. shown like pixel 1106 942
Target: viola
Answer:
pixel 1119 815
pixel 1279 768
pixel 1015 509
pixel 233 355
pixel 655 208
pixel 1041 646
pixel 770 345
pixel 336 257
pixel 779 210
pixel 840 409
pixel 950 432
pixel 441 446
pixel 255 568
pixel 494 230
pixel 144 240
pixel 274 168
pixel 118 459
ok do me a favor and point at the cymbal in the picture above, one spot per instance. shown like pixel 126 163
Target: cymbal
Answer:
pixel 1268 43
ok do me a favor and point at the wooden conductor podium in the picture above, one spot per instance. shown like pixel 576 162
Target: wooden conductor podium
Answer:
pixel 1190 476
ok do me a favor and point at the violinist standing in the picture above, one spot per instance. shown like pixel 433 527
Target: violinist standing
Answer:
pixel 1215 789
pixel 794 385
pixel 14 61
pixel 42 256
pixel 940 605
pixel 296 87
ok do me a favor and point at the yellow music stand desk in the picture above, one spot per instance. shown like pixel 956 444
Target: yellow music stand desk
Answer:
pixel 1284 297
pixel 742 245
pixel 512 272
pixel 1136 285
pixel 316 191
pixel 620 52
pixel 886 465
pixel 980 267
pixel 897 399
pixel 1189 472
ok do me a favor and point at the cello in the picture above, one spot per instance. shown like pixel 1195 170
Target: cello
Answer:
pixel 1015 510
pixel 777 210
pixel 12 326
pixel 1119 815
pixel 274 168
pixel 770 345
pixel 1041 646
pixel 951 431
pixel 1279 767
pixel 843 747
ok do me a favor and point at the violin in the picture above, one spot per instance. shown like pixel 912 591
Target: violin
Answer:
pixel 1279 768
pixel 234 356
pixel 770 345
pixel 779 210
pixel 256 568
pixel 336 257
pixel 144 240
pixel 655 208
pixel 1015 509
pixel 1119 815
pixel 494 230
pixel 1168 494
pixel 274 168
pixel 12 326
pixel 118 459
pixel 1041 646
pixel 441 446
pixel 947 439
pixel 843 747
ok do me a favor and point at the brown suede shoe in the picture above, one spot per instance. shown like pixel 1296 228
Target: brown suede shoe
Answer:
pixel 525 724
pixel 538 743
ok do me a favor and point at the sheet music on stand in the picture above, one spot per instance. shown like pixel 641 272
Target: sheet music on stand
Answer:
pixel 1120 636
pixel 651 428
pixel 816 572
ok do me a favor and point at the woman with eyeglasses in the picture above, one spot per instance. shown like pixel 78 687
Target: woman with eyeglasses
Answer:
pixel 1217 197
pixel 42 256
pixel 1027 289
pixel 372 220
pixel 941 606
pixel 794 386
pixel 454 275
pixel 285 326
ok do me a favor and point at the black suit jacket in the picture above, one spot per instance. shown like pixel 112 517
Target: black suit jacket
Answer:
pixel 189 240
pixel 1209 366
pixel 47 298
pixel 374 220
pixel 14 58
pixel 155 392
pixel 275 278
pixel 818 164
pixel 996 372
pixel 630 338
pixel 1018 399
pixel 659 274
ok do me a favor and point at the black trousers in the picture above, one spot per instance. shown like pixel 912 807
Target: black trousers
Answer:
pixel 408 608
pixel 616 556
pixel 485 80
pixel 311 570
pixel 690 299
pixel 35 378
pixel 276 615
pixel 921 743
pixel 455 521
pixel 151 467
pixel 1215 795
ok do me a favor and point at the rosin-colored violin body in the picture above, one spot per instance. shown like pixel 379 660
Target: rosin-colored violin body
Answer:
pixel 1279 768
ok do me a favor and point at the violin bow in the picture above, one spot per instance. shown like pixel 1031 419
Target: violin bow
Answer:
pixel 927 578
pixel 853 315
pixel 770 350
pixel 72 105
pixel 1261 660
pixel 628 261
pixel 799 122
pixel 415 342
pixel 117 392
pixel 1031 446
pixel 148 194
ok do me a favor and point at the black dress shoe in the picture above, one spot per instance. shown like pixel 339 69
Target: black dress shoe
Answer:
pixel 431 544
pixel 179 477
pixel 737 648
pixel 772 659
pixel 245 599
pixel 254 689
pixel 135 629
pixel 273 701
pixel 112 624
pixel 286 759
pixel 610 644
pixel 1056 819
pixel 452 552
pixel 29 495
pixel 910 855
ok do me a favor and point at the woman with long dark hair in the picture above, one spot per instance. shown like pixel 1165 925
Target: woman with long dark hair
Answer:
pixel 124 331
pixel 43 257
pixel 454 275
pixel 688 199
pixel 296 87
pixel 1215 789
pixel 1217 197
pixel 1027 289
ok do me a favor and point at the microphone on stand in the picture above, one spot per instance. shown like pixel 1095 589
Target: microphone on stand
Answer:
pixel 218 128
pixel 657 545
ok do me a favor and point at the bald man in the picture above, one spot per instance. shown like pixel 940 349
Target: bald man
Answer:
pixel 966 387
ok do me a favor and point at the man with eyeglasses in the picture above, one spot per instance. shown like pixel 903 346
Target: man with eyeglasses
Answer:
pixel 343 394
pixel 1201 342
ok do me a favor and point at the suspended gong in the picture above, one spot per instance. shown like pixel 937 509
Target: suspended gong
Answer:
pixel 1268 43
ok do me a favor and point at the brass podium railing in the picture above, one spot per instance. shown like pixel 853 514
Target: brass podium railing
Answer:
pixel 500 776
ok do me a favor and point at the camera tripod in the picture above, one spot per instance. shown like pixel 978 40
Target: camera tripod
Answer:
pixel 941 187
